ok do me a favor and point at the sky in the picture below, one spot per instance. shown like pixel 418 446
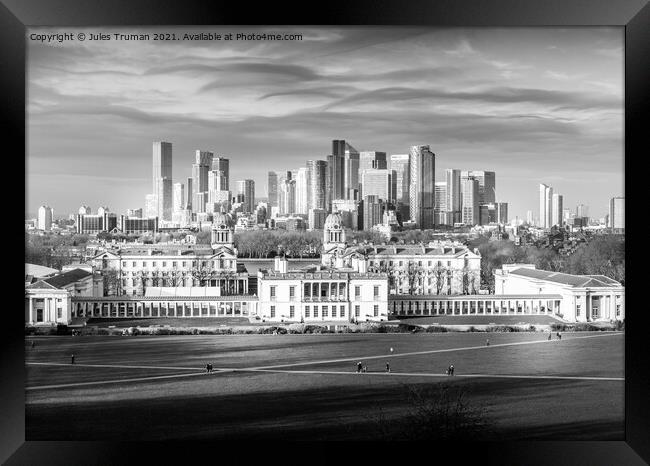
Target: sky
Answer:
pixel 535 105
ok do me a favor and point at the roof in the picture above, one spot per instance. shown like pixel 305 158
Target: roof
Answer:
pixel 39 271
pixel 66 278
pixel 578 281
pixel 471 297
pixel 152 291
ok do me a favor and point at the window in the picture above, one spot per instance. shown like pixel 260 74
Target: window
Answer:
pixel 333 311
pixel 376 310
pixel 272 311
pixel 174 264
pixel 133 264
pixel 448 263
pixel 306 311
pixel 183 263
pixel 58 300
pixel 153 263
pixel 342 311
pixel 577 310
pixel 273 292
pixel 292 292
pixel 315 311
pixel 325 312
pixel 618 310
pixel 357 310
pixel 164 264
pixel 401 263
pixel 144 264
pixel 123 264
pixel 376 291
pixel 357 291
pixel 193 263
pixel 292 311
pixel 59 313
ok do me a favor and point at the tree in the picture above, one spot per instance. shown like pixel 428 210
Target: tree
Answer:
pixel 439 274
pixel 441 412
pixel 112 282
pixel 202 273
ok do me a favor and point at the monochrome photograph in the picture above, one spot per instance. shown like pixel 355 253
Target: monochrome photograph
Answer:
pixel 324 233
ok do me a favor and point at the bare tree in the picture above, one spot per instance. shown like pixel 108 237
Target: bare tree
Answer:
pixel 439 273
pixel 202 273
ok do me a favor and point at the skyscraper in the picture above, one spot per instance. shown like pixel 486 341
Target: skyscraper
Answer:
pixel 440 203
pixel 162 178
pixel 469 188
pixel 287 197
pixel 272 189
pixel 317 183
pixel 377 183
pixel 335 177
pixel 45 217
pixel 151 205
pixel 486 184
pixel 616 220
pixel 164 195
pixel 529 217
pixel 557 210
pixel 373 211
pixel 179 197
pixel 422 188
pixel 372 159
pixel 188 194
pixel 222 164
pixel 84 210
pixel 502 212
pixel 200 169
pixel 350 170
pixel 545 206
pixel 302 191
pixel 453 195
pixel 247 189
pixel 582 210
pixel 399 163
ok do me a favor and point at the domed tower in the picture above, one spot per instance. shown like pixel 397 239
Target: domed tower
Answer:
pixel 223 231
pixel 333 231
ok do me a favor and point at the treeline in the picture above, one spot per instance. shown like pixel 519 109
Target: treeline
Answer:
pixel 268 243
pixel 601 255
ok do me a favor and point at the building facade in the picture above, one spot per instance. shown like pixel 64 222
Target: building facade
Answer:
pixel 422 189
pixel 583 298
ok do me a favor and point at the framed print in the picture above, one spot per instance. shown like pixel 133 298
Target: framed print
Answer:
pixel 366 223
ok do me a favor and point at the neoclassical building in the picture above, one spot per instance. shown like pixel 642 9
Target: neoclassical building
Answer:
pixel 584 298
pixel 437 268
pixel 131 271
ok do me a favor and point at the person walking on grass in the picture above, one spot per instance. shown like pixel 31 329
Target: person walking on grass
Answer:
pixel 450 370
pixel 549 335
pixel 387 367
pixel 487 342
pixel 359 367
pixel 559 336
pixel 72 359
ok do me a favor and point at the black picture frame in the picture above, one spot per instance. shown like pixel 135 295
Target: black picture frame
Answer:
pixel 634 15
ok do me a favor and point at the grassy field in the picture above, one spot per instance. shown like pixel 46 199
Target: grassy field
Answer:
pixel 306 386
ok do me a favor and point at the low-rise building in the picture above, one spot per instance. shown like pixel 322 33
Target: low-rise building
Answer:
pixel 585 298
pixel 48 301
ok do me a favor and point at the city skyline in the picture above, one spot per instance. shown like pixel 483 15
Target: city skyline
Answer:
pixel 534 105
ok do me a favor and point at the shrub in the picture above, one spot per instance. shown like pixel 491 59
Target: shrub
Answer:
pixel 620 324
pixel 436 329
pixel 559 327
pixel 103 331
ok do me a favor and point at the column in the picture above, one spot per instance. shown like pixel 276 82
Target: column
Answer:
pixel 31 310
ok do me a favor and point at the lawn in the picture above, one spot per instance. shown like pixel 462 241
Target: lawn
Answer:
pixel 175 400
